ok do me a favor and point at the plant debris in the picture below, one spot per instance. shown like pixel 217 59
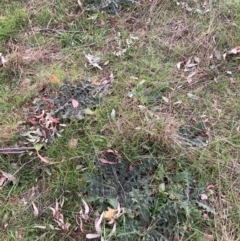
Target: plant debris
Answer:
pixel 46 114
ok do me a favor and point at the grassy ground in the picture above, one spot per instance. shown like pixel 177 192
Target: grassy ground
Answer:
pixel 172 78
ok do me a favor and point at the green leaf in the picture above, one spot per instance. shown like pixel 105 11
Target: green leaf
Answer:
pixel 38 146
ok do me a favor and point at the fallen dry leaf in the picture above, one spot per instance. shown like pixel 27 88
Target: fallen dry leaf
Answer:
pixel 55 211
pixel 196 59
pixel 75 103
pixel 33 122
pixel 194 97
pixel 93 235
pixel 40 226
pixel 58 216
pixel 234 50
pixel 54 120
pixel 93 60
pixel 86 207
pixel 179 64
pixel 45 160
pixel 7 176
pixel 114 152
pixel 210 186
pixel 98 222
pixel 104 161
pixel 35 210
pixel 189 78
pixel 107 80
pixel 106 63
pixel 189 64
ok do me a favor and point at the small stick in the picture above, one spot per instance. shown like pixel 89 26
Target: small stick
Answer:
pixel 15 150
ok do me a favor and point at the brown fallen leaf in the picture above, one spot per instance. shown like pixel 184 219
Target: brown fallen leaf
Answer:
pixel 210 186
pixel 7 176
pixel 32 121
pixel 45 160
pixel 102 160
pixel 234 50
pixel 44 133
pixel 189 64
pixel 40 116
pixel 52 119
pixel 189 78
pixel 98 228
pixel 56 212
pixel 114 152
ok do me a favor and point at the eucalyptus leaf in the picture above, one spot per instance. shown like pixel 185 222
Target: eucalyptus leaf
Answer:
pixel 38 146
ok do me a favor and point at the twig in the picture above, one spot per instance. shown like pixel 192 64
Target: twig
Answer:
pixel 15 150
pixel 55 30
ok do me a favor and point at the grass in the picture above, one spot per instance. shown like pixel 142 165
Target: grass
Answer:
pixel 150 98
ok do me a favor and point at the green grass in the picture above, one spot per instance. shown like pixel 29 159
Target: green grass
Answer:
pixel 11 22
pixel 44 39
